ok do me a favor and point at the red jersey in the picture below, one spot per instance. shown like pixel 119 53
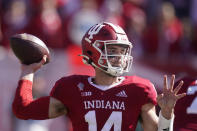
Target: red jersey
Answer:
pixel 186 107
pixel 107 108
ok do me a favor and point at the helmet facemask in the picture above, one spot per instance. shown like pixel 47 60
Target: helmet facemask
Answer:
pixel 115 56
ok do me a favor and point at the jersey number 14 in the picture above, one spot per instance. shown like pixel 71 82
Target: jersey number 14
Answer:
pixel 114 119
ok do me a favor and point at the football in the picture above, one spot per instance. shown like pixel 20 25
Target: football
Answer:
pixel 29 48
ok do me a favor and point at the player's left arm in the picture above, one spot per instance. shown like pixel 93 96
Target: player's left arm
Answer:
pixel 149 117
pixel 151 122
pixel 166 101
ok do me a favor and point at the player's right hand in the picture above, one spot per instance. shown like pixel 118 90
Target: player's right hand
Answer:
pixel 33 67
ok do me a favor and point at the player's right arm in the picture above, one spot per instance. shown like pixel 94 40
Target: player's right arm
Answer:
pixel 25 107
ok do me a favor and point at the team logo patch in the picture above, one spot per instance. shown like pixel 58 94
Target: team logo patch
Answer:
pixel 122 94
pixel 80 86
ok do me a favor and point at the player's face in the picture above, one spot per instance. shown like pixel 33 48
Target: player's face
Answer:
pixel 116 54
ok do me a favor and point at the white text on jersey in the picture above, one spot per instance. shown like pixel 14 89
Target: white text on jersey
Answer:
pixel 102 104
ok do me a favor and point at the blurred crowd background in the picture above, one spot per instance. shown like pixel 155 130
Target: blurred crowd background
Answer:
pixel 163 33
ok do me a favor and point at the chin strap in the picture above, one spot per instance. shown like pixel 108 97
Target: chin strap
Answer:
pixel 88 61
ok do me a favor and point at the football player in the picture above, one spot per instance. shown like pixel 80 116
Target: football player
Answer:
pixel 186 108
pixel 108 101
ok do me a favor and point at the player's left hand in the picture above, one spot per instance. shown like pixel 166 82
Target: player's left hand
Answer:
pixel 169 97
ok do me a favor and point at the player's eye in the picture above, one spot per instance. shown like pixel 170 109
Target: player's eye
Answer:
pixel 111 51
pixel 124 51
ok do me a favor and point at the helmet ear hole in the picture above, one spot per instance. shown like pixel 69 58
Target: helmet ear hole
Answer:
pixel 89 52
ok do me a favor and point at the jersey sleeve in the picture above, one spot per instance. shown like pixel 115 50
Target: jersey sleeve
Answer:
pixel 60 90
pixel 142 89
pixel 64 90
pixel 149 93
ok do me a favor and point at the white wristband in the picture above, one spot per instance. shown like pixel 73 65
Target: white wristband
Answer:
pixel 164 124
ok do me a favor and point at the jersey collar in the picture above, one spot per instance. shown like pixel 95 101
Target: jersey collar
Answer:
pixel 104 88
